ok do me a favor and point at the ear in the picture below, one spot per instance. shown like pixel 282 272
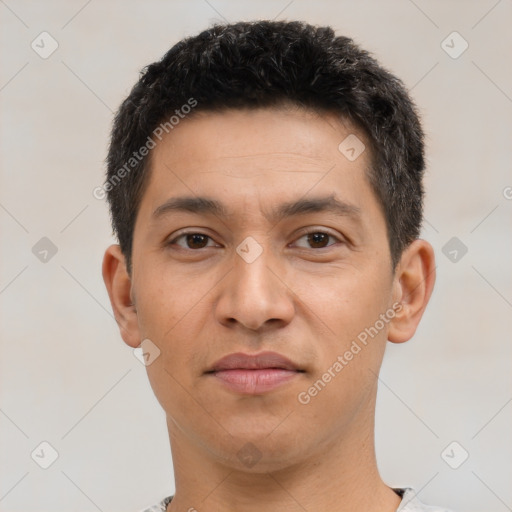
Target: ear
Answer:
pixel 414 280
pixel 119 284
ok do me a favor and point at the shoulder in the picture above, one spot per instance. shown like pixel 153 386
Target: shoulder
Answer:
pixel 411 503
pixel 159 507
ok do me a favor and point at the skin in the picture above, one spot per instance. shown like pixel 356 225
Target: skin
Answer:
pixel 307 299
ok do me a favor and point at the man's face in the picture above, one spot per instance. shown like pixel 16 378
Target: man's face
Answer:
pixel 304 284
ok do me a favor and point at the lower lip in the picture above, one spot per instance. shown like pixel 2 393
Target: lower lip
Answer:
pixel 252 382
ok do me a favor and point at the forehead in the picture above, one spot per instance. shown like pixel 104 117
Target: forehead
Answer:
pixel 288 132
pixel 261 155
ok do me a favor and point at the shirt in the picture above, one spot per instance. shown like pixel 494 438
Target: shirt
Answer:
pixel 409 503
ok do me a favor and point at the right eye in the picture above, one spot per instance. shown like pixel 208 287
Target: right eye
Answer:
pixel 192 241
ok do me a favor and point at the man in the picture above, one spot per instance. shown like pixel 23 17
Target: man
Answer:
pixel 265 185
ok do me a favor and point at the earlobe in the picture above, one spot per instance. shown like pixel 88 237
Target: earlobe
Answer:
pixel 119 287
pixel 413 285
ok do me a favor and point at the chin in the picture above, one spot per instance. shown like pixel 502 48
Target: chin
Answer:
pixel 258 452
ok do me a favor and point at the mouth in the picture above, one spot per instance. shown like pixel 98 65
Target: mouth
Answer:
pixel 254 374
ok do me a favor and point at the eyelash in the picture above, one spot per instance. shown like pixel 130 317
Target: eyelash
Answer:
pixel 315 231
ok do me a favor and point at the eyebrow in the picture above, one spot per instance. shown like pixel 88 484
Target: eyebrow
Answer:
pixel 206 206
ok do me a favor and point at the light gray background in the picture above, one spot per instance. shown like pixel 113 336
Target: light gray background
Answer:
pixel 66 376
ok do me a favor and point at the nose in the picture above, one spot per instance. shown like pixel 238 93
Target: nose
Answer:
pixel 255 295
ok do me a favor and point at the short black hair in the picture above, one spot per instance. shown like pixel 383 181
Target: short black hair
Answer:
pixel 262 64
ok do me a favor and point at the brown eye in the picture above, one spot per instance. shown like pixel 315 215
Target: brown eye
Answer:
pixel 196 241
pixel 318 240
pixel 192 241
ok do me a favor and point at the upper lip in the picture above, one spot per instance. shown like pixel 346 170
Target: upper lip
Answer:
pixel 239 360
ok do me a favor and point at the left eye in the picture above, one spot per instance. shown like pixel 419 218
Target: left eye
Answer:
pixel 317 239
pixel 193 240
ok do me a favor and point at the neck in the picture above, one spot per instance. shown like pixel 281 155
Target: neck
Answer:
pixel 339 476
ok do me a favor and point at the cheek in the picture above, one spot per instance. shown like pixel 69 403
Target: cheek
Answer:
pixel 174 373
pixel 344 302
pixel 172 313
pixel 350 345
pixel 350 335
pixel 165 299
